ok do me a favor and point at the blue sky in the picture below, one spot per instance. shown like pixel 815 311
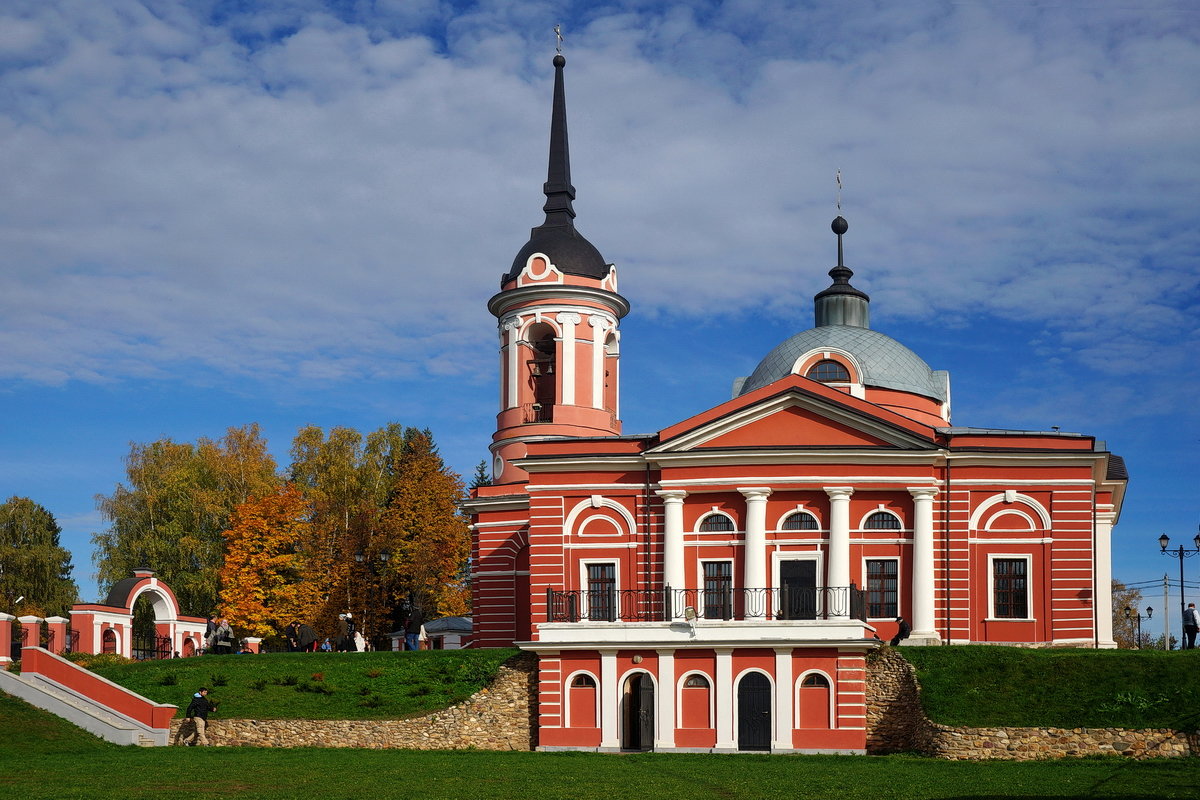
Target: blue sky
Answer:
pixel 217 213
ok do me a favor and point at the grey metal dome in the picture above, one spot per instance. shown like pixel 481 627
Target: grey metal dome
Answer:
pixel 885 362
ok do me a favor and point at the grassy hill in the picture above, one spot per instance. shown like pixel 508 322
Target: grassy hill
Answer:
pixel 380 685
pixel 982 685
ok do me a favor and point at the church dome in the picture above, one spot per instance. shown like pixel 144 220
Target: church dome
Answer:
pixel 884 362
pixel 842 316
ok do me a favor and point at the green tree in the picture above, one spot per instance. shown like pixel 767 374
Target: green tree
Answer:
pixel 178 501
pixel 346 479
pixel 32 563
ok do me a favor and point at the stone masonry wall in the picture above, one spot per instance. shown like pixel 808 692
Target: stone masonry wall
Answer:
pixel 896 722
pixel 501 716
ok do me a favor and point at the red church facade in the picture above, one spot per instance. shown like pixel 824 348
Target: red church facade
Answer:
pixel 717 585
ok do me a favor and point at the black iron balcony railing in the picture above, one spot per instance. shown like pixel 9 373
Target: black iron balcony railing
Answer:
pixel 663 605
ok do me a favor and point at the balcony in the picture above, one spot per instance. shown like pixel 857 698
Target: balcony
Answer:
pixel 694 605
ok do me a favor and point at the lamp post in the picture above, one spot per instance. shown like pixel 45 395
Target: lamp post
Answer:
pixel 1129 614
pixel 360 557
pixel 1181 553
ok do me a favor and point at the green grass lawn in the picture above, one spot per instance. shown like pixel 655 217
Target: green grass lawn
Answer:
pixel 982 685
pixel 381 685
pixel 44 757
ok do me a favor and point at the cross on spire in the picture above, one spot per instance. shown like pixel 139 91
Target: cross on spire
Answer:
pixel 558 39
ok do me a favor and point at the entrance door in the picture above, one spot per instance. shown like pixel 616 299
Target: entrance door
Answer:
pixel 798 589
pixel 638 722
pixel 754 712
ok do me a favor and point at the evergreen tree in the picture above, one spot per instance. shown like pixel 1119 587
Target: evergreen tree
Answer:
pixel 32 563
pixel 481 476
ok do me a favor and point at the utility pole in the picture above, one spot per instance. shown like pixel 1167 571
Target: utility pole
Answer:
pixel 1167 612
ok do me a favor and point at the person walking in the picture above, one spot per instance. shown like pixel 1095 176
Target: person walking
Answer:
pixel 197 715
pixel 1191 626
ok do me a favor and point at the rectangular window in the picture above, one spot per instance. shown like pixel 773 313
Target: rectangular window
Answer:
pixel 718 589
pixel 602 592
pixel 882 585
pixel 1010 588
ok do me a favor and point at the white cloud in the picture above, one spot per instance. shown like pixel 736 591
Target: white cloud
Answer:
pixel 189 190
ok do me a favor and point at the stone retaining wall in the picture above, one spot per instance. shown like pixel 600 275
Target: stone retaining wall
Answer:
pixel 501 716
pixel 896 722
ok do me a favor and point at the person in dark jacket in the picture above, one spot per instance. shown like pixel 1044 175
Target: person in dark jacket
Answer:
pixel 308 638
pixel 197 715
pixel 412 629
pixel 902 633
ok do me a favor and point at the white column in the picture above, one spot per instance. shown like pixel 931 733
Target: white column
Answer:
pixel 664 715
pixel 723 686
pixel 755 576
pixel 512 326
pixel 1103 590
pixel 673 572
pixel 566 374
pixel 610 700
pixel 599 329
pixel 923 626
pixel 838 556
pixel 781 739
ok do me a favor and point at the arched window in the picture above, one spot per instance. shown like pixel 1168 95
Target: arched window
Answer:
pixel 829 371
pixel 717 522
pixel 815 679
pixel 108 642
pixel 696 682
pixel 581 681
pixel 800 521
pixel 541 364
pixel 882 521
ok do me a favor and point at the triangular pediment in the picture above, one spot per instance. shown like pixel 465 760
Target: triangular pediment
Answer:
pixel 793 418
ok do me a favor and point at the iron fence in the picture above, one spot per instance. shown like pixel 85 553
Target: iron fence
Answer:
pixel 637 605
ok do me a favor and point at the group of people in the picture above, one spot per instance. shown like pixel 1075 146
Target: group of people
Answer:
pixel 301 638
pixel 218 637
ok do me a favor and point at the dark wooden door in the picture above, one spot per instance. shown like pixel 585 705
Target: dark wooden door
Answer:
pixel 798 589
pixel 638 719
pixel 754 712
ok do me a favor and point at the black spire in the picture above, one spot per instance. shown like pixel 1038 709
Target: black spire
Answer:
pixel 557 237
pixel 841 303
pixel 558 189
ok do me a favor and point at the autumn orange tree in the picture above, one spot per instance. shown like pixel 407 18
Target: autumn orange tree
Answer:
pixel 428 538
pixel 264 581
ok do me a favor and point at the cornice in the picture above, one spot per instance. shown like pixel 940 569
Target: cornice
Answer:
pixel 503 301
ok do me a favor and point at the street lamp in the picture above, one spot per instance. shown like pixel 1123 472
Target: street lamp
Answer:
pixel 1181 553
pixel 1129 614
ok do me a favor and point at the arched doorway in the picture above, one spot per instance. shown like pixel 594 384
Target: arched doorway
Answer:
pixel 150 637
pixel 108 641
pixel 754 712
pixel 637 713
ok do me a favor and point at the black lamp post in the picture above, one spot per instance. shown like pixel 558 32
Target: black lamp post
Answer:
pixel 1181 553
pixel 1129 614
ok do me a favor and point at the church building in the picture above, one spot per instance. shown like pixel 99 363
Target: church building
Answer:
pixel 716 586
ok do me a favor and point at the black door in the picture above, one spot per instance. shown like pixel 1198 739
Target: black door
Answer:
pixel 798 589
pixel 639 713
pixel 754 712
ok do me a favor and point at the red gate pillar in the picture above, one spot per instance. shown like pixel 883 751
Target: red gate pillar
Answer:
pixel 33 630
pixel 6 621
pixel 253 644
pixel 59 634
